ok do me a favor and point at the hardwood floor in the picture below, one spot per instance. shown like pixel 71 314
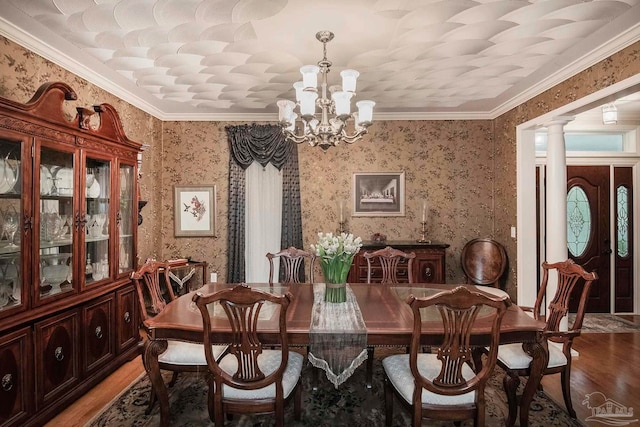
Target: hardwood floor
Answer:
pixel 92 403
pixel 608 363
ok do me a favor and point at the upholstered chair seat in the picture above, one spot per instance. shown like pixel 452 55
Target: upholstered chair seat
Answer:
pixel 268 362
pixel 187 353
pixel 513 356
pixel 399 373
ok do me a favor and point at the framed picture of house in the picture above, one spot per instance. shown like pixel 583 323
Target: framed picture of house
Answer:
pixel 194 210
pixel 378 194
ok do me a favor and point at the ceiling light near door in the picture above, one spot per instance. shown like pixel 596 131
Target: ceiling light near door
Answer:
pixel 609 114
pixel 331 128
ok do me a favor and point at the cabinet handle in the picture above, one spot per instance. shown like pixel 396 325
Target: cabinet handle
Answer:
pixel 427 272
pixel 98 332
pixel 81 221
pixel 118 218
pixel 7 382
pixel 127 317
pixel 27 223
pixel 58 354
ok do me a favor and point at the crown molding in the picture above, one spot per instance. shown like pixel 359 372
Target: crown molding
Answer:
pixel 83 70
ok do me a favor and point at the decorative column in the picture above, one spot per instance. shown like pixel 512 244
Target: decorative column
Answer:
pixel 556 201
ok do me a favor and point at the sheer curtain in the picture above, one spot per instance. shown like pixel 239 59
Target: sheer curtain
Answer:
pixel 263 219
pixel 262 146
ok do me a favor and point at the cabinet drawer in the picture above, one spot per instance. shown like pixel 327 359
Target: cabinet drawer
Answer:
pixel 57 355
pixel 98 334
pixel 126 319
pixel 376 274
pixel 16 378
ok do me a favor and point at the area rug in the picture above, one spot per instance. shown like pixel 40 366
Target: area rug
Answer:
pixel 602 322
pixel 350 405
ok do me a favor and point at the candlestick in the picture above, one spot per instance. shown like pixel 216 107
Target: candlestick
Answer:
pixel 424 239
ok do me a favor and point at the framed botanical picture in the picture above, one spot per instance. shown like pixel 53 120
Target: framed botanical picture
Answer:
pixel 195 210
pixel 378 194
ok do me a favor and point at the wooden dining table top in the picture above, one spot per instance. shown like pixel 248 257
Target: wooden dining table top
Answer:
pixel 388 318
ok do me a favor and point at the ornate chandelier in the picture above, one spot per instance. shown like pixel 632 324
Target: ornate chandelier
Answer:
pixel 335 111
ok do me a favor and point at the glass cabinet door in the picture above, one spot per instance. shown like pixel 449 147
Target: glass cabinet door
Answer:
pixel 57 221
pixel 126 217
pixel 10 221
pixel 98 208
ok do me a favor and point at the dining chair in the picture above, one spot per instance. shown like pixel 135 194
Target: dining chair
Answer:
pixel 154 294
pixel 483 262
pixel 515 361
pixel 389 258
pixel 292 262
pixel 443 386
pixel 250 378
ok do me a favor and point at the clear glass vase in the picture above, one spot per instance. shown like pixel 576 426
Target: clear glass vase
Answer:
pixel 335 272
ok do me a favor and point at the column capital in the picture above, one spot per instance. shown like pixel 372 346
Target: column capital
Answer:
pixel 559 121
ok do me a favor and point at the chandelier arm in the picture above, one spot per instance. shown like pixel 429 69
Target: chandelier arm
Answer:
pixel 350 139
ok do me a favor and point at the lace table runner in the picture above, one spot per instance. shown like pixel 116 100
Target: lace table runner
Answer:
pixel 337 336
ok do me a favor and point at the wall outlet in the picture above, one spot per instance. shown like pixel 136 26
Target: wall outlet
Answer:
pixel 513 232
pixel 214 277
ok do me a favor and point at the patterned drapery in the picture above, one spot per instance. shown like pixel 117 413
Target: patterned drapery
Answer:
pixel 263 144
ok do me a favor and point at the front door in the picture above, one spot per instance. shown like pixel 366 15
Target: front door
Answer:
pixel 588 230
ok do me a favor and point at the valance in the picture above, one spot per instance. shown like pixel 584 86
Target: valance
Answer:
pixel 260 143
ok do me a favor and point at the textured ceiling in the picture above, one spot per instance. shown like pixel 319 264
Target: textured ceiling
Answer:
pixel 233 59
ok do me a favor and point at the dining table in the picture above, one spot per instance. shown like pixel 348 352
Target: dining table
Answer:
pixel 387 317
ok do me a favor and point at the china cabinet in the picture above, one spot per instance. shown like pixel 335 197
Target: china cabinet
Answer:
pixel 68 224
pixel 429 265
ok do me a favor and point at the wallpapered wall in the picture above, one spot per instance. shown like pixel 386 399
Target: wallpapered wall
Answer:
pixel 449 163
pixel 466 169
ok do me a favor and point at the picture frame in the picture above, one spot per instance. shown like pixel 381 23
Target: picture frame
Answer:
pixel 378 194
pixel 194 210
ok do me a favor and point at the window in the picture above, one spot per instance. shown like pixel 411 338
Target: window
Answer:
pixel 622 223
pixel 578 221
pixel 589 142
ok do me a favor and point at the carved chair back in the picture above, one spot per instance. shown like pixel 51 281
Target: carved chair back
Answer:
pixel 389 259
pixel 458 309
pixel 154 289
pixel 242 306
pixel 292 261
pixel 569 275
pixel 483 262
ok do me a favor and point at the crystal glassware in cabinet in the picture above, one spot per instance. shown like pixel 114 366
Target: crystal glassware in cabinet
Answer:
pixel 10 225
pixel 56 222
pixel 126 218
pixel 98 215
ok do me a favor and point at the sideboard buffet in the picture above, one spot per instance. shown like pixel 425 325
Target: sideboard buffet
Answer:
pixel 68 227
pixel 429 265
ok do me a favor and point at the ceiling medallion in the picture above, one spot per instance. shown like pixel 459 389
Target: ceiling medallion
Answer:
pixel 331 127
